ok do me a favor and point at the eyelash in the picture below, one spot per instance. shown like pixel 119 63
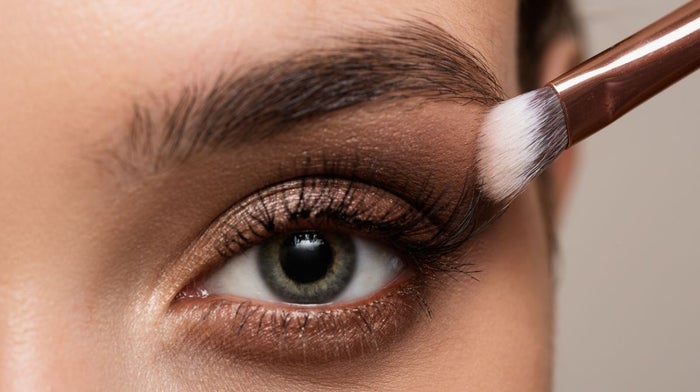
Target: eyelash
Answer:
pixel 424 231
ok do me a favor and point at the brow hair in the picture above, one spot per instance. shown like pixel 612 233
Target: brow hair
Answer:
pixel 414 59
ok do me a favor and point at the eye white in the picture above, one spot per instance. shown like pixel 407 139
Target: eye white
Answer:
pixel 375 267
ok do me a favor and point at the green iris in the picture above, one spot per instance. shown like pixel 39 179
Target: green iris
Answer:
pixel 308 267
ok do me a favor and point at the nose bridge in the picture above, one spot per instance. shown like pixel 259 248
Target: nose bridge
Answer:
pixel 26 351
pixel 54 322
pixel 27 347
pixel 41 343
pixel 51 329
pixel 46 301
pixel 21 357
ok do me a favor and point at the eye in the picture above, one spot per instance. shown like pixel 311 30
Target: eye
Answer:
pixel 315 269
pixel 307 267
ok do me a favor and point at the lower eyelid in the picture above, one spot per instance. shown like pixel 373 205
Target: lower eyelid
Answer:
pixel 264 332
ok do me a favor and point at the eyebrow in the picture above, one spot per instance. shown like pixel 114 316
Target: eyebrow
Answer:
pixel 409 60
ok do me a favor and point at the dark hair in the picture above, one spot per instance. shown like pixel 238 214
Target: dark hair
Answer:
pixel 540 21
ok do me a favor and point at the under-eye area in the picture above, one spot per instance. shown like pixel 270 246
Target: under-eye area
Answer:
pixel 319 268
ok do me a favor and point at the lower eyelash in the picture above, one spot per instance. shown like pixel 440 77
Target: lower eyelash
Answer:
pixel 248 331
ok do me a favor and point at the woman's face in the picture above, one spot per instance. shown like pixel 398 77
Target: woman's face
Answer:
pixel 262 196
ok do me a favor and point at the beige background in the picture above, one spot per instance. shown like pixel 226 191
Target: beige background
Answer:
pixel 629 274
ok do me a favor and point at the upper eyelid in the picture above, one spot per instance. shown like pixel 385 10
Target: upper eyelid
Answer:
pixel 213 246
pixel 308 190
pixel 440 192
pixel 410 232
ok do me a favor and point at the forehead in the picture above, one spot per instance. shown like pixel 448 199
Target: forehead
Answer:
pixel 115 41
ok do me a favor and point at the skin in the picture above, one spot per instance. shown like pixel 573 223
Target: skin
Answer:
pixel 82 249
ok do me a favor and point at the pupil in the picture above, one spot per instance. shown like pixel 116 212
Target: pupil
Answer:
pixel 306 257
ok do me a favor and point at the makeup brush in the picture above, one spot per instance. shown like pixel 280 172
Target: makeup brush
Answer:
pixel 521 136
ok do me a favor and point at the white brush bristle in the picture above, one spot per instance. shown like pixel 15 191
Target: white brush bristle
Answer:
pixel 520 137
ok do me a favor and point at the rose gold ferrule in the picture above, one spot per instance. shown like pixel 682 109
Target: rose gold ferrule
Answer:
pixel 605 87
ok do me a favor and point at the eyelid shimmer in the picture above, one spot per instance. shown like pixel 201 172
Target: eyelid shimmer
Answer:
pixel 424 231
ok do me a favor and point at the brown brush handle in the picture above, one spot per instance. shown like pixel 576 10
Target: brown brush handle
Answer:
pixel 605 87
